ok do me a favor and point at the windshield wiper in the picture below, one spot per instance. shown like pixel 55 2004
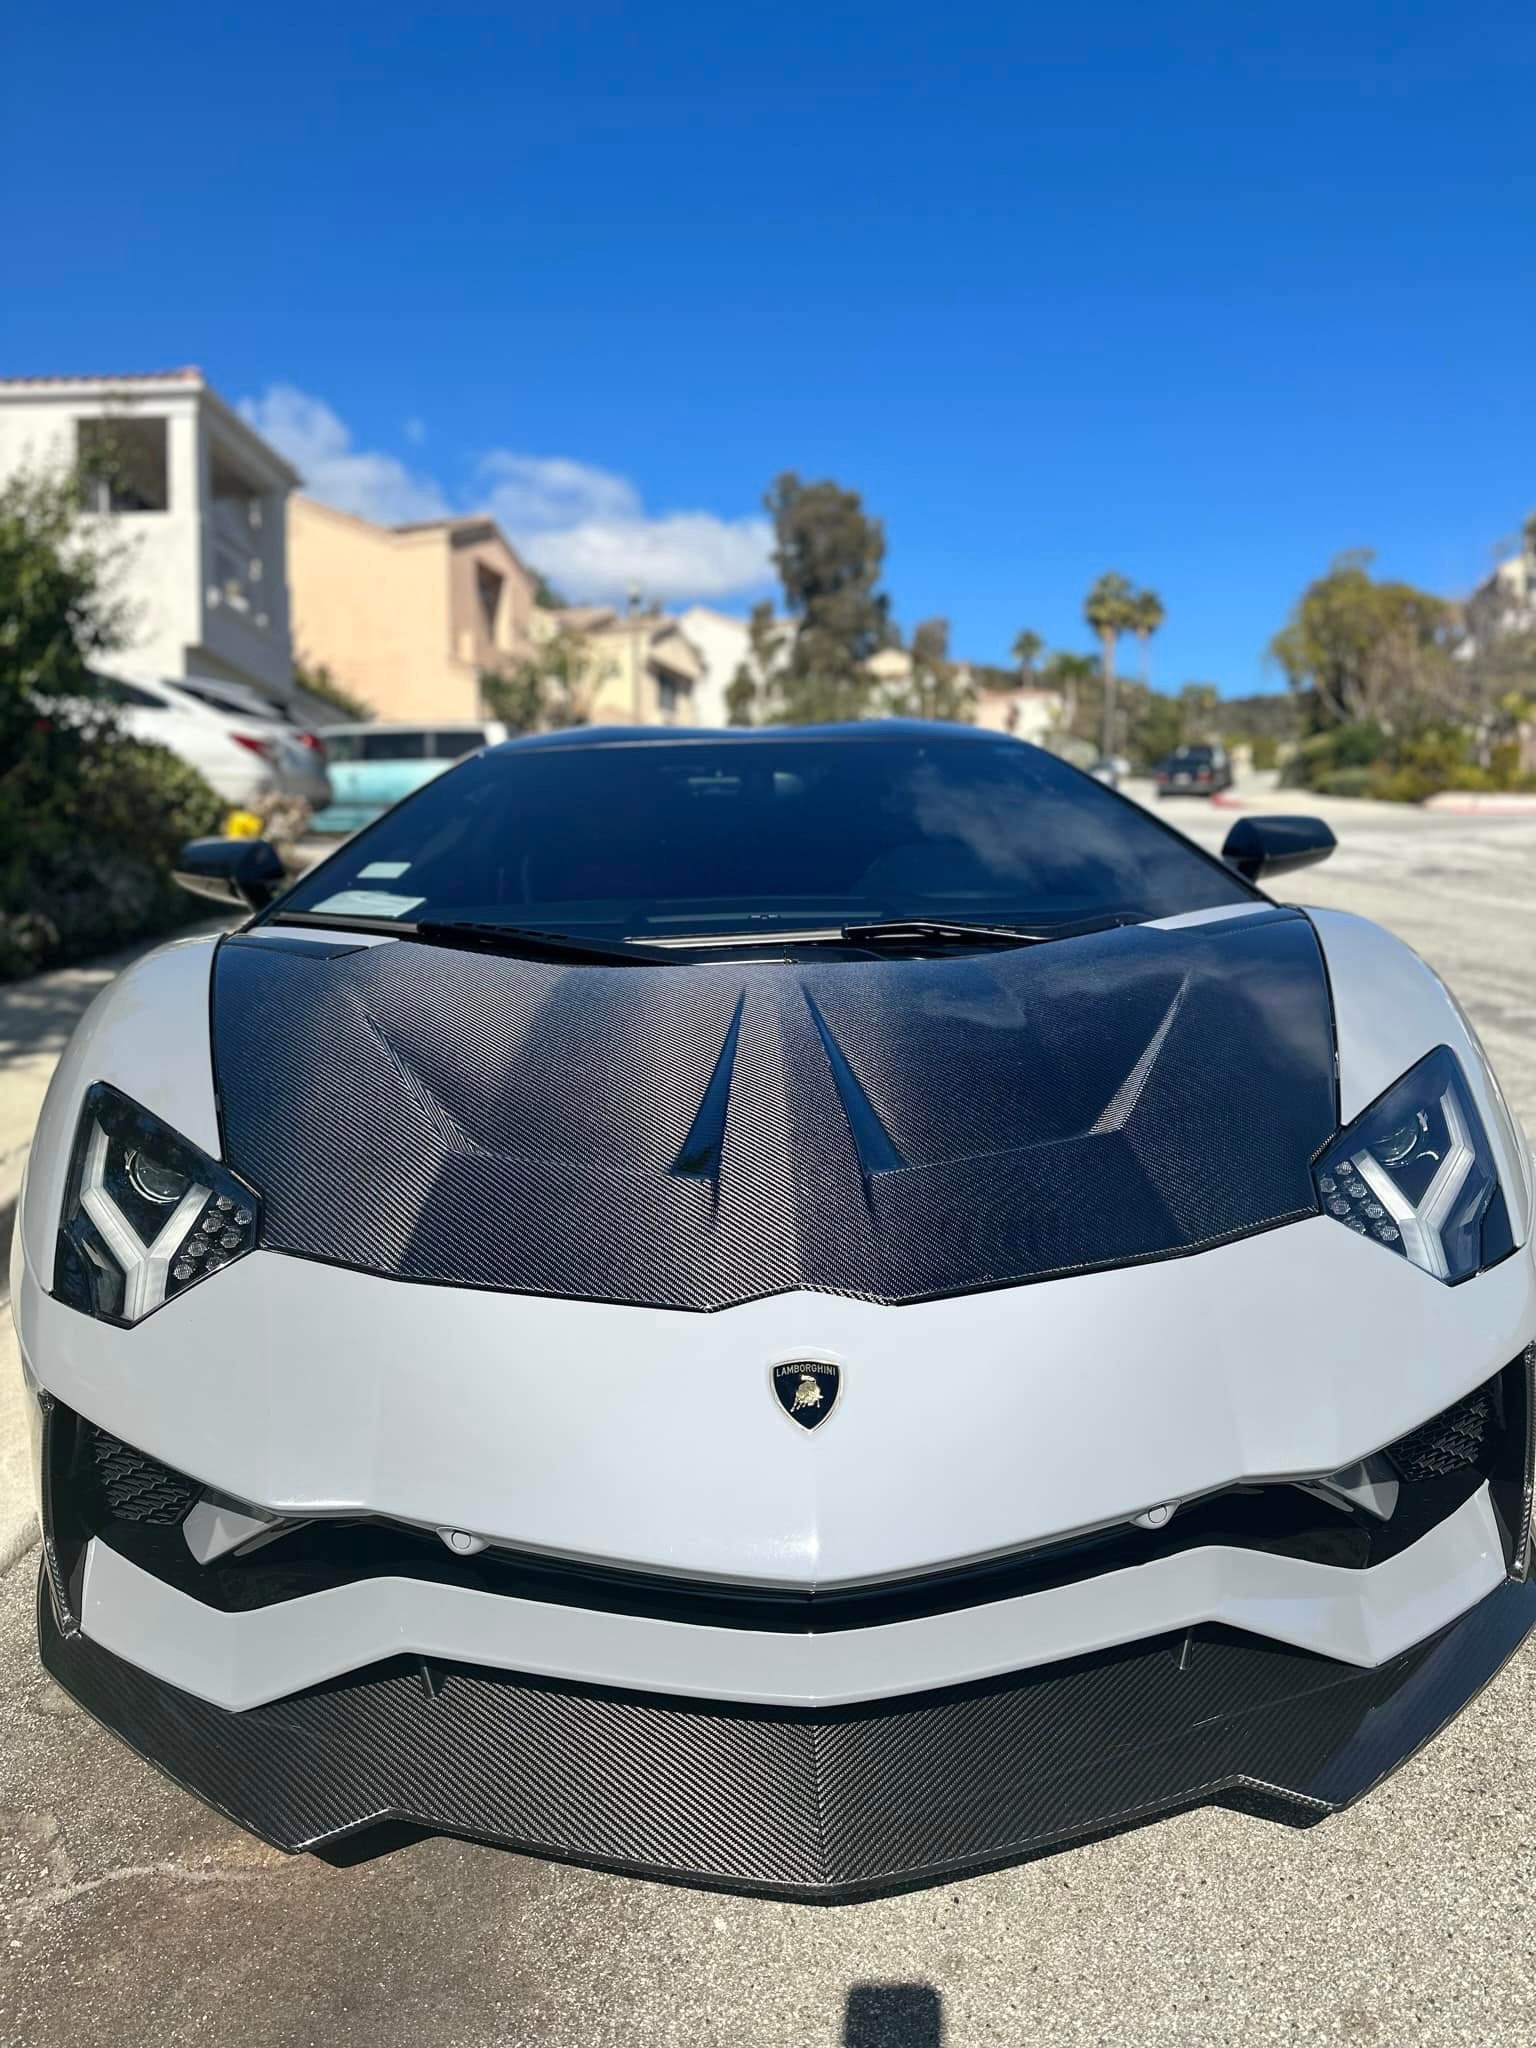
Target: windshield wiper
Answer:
pixel 921 931
pixel 486 938
pixel 522 938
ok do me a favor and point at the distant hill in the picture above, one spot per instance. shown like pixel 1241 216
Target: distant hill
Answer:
pixel 1270 715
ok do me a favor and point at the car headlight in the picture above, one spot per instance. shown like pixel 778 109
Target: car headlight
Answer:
pixel 1415 1174
pixel 147 1214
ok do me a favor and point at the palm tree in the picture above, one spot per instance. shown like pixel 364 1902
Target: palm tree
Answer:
pixel 1147 616
pixel 1027 649
pixel 1110 608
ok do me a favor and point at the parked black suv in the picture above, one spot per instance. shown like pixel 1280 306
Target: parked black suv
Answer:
pixel 1194 771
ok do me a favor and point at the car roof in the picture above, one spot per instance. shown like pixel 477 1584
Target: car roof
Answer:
pixel 233 700
pixel 868 731
pixel 408 725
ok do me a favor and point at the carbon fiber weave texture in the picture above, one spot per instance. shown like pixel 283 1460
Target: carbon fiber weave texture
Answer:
pixel 894 1130
pixel 809 1805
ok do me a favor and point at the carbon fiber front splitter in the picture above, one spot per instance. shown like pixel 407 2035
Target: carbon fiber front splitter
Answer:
pixel 816 1806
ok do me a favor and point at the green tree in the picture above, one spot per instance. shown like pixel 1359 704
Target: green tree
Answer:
pixel 548 690
pixel 829 554
pixel 1270 715
pixel 1110 609
pixel 1147 616
pixel 1077 680
pixel 1027 650
pixel 1198 704
pixel 316 680
pixel 57 613
pixel 1359 651
pixel 545 595
pixel 89 821
pixel 748 693
pixel 1156 726
pixel 937 688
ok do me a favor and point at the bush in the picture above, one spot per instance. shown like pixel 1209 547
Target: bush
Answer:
pixel 1265 752
pixel 89 826
pixel 1504 764
pixel 89 822
pixel 1362 745
pixel 1345 782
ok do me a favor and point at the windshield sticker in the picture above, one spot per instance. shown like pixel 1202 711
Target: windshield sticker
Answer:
pixel 383 871
pixel 367 903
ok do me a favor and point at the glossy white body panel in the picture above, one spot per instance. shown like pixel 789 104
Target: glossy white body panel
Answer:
pixel 650 1438
pixel 967 1427
pixel 1389 1010
pixel 243 1660
pixel 146 1033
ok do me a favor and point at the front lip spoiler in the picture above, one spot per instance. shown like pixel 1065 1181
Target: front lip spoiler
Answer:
pixel 826 1806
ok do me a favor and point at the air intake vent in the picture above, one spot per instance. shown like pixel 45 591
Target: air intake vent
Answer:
pixel 1448 1442
pixel 136 1489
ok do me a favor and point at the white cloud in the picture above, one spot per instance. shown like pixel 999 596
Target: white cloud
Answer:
pixel 535 493
pixel 319 445
pixel 585 527
pixel 588 531
pixel 681 555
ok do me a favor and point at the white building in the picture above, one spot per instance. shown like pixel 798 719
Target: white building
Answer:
pixel 198 501
pixel 1505 602
pixel 723 643
pixel 1028 712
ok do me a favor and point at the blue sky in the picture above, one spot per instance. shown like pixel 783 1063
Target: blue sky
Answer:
pixel 1203 293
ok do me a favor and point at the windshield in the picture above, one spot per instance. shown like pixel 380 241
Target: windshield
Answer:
pixel 705 837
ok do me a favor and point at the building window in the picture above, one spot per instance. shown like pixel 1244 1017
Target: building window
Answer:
pixel 488 587
pixel 123 466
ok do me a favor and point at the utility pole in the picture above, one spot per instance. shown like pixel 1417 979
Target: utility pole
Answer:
pixel 637 642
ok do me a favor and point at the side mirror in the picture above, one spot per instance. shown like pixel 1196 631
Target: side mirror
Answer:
pixel 244 871
pixel 1261 847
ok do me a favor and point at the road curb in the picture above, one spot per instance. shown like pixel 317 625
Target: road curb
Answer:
pixel 1474 804
pixel 18 1533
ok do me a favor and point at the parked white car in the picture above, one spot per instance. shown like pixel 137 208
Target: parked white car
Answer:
pixel 235 740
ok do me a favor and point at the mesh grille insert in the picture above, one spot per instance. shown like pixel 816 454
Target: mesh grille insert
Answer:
pixel 1448 1442
pixel 136 1488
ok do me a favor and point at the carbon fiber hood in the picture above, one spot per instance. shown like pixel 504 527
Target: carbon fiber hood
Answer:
pixel 695 1136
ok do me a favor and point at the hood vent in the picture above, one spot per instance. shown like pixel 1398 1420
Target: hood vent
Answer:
pixel 694 1136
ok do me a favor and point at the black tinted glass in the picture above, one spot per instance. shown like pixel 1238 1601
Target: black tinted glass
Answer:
pixel 393 746
pixel 453 746
pixel 125 693
pixel 737 835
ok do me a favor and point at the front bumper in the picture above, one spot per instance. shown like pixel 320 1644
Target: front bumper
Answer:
pixel 888 1784
pixel 823 1805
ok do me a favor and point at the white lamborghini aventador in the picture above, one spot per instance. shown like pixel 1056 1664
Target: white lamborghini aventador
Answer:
pixel 798 1310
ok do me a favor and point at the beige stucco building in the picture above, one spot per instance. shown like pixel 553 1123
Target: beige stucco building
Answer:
pixel 641 667
pixel 1029 712
pixel 406 617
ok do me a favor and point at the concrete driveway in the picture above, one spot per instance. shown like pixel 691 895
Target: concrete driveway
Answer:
pixel 133 1915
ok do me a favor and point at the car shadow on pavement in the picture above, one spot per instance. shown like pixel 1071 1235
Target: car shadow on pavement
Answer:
pixel 893 2016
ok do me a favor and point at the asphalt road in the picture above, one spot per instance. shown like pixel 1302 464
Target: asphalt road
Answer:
pixel 133 1915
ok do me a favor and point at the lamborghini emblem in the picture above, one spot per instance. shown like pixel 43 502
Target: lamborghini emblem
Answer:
pixel 806 1389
